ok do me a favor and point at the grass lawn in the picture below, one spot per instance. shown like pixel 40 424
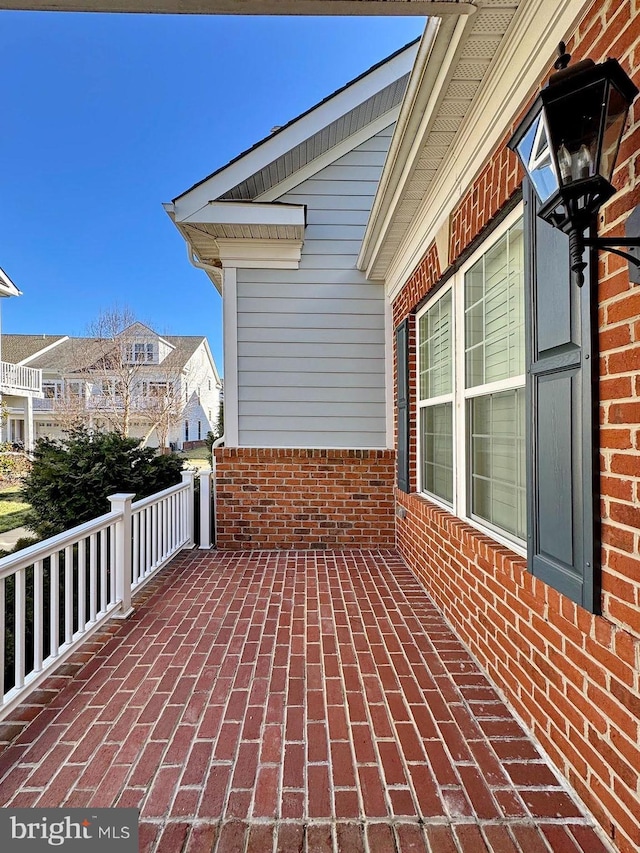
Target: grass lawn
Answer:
pixel 199 457
pixel 12 508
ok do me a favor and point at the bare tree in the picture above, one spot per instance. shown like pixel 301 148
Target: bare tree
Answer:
pixel 123 374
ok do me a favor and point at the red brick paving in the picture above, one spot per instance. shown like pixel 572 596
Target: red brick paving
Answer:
pixel 285 702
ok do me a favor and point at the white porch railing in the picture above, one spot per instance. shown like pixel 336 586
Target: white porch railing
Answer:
pixel 16 377
pixel 54 595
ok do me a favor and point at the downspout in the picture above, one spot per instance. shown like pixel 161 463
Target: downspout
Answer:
pixel 214 272
pixel 217 443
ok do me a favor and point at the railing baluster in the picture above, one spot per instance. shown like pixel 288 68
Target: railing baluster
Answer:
pixel 82 584
pixel 163 512
pixel 142 520
pixel 104 583
pixel 154 539
pixel 68 594
pixel 19 634
pixel 135 568
pixel 112 563
pixel 38 620
pixel 93 577
pixel 54 604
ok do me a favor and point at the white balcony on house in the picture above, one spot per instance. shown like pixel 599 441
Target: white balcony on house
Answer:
pixel 19 380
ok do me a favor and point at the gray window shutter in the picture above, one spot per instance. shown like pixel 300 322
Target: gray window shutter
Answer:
pixel 402 405
pixel 562 417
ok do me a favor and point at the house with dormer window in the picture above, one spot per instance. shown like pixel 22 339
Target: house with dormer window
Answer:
pixel 162 390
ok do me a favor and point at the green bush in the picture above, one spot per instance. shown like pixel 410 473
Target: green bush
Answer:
pixel 71 479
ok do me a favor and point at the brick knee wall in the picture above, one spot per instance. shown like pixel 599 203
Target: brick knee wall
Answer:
pixel 570 675
pixel 289 498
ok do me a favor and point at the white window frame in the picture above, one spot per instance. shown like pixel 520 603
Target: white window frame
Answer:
pixel 461 395
pixel 443 398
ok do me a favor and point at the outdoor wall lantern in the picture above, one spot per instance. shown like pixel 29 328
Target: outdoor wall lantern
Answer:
pixel 568 143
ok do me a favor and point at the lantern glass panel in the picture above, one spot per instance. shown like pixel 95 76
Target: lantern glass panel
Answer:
pixel 617 110
pixel 535 153
pixel 575 121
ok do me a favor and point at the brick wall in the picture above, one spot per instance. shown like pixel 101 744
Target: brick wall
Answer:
pixel 287 498
pixel 573 677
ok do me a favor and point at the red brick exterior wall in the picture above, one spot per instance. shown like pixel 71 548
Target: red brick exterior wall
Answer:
pixel 573 677
pixel 285 498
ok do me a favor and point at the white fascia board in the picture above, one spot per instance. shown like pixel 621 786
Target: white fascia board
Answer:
pixel 260 254
pixel 298 131
pixel 209 354
pixel 7 287
pixel 243 213
pixel 432 71
pixel 538 28
pixel 340 150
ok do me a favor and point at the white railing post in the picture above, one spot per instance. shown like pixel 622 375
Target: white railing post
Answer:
pixel 205 508
pixel 188 477
pixel 121 503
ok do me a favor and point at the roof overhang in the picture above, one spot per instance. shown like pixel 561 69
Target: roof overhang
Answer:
pixel 241 234
pixel 355 100
pixel 251 7
pixel 466 89
pixel 7 287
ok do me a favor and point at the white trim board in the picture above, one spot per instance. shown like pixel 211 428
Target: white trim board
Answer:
pixel 537 30
pixel 299 130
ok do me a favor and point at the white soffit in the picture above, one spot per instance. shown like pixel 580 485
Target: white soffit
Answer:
pixel 444 84
pixel 292 148
pixel 417 195
pixel 211 231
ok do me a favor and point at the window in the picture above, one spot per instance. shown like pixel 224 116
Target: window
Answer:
pixel 111 388
pixel 471 399
pixel 435 331
pixel 74 389
pixel 137 353
pixel 199 430
pixel 52 390
pixel 155 390
pixel 186 430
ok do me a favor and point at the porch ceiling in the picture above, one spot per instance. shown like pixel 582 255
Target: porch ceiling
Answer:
pixel 317 701
pixel 439 97
pixel 252 7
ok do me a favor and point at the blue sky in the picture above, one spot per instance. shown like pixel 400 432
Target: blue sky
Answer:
pixel 107 116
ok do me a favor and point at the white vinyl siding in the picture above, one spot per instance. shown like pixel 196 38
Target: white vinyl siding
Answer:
pixel 311 342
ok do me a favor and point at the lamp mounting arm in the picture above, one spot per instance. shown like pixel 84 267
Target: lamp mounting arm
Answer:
pixel 612 244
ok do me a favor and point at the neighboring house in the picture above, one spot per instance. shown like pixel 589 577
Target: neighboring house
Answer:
pixel 448 333
pixel 19 385
pixel 164 390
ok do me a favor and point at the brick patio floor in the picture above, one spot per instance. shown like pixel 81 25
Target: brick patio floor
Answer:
pixel 288 702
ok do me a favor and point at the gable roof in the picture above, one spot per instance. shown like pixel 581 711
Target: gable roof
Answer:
pixel 239 202
pixel 18 349
pixel 329 132
pixel 73 355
